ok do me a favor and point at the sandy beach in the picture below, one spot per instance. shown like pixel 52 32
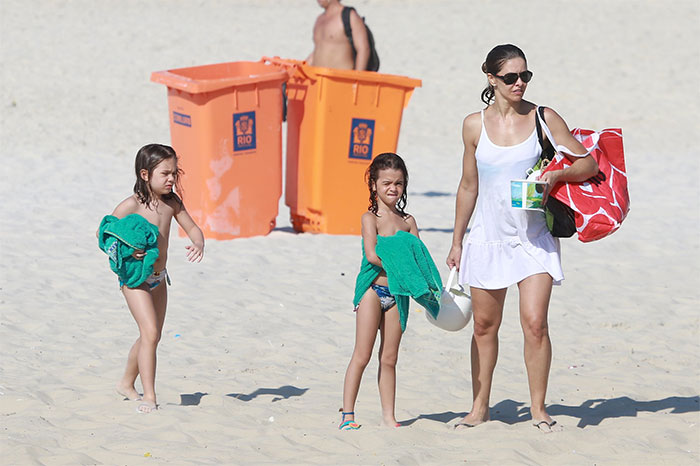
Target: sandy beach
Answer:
pixel 258 335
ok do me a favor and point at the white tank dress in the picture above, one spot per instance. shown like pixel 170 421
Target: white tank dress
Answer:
pixel 506 245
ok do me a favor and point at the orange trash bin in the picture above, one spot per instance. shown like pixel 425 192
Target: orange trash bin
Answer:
pixel 226 127
pixel 337 121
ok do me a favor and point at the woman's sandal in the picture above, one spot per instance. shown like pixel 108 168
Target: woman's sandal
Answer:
pixel 348 425
pixel 547 427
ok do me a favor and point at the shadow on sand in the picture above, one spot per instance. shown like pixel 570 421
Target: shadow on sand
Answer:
pixel 281 393
pixel 191 399
pixel 590 413
pixel 434 194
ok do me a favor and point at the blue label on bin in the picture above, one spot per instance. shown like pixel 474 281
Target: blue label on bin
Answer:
pixel 182 119
pixel 243 131
pixel 361 139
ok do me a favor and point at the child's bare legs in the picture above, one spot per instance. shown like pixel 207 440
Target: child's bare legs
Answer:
pixel 367 320
pixel 390 329
pixel 487 307
pixel 148 309
pixel 125 387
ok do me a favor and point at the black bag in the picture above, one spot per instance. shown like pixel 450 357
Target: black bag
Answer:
pixel 560 217
pixel 373 60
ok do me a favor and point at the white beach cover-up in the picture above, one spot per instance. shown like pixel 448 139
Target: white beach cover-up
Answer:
pixel 506 245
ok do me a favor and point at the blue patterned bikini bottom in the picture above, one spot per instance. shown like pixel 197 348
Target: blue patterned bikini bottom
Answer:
pixel 154 280
pixel 386 299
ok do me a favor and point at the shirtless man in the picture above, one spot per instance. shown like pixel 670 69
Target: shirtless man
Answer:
pixel 331 47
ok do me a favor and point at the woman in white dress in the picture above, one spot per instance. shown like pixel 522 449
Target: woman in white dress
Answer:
pixel 508 246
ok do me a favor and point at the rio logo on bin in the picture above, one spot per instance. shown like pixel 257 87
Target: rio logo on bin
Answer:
pixel 243 131
pixel 361 138
pixel 182 119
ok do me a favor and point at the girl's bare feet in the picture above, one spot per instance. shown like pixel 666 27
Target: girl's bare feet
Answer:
pixel 128 392
pixel 390 422
pixel 146 407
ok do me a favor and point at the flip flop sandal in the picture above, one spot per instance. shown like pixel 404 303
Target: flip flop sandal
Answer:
pixel 463 424
pixel 348 425
pixel 151 407
pixel 549 425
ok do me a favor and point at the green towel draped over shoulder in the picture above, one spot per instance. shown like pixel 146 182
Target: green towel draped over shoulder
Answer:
pixel 119 238
pixel 410 271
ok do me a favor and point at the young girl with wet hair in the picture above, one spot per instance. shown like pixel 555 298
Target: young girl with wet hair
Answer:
pixel 155 205
pixel 390 244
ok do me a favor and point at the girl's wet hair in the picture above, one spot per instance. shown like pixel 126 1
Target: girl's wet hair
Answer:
pixel 148 158
pixel 381 162
pixel 493 64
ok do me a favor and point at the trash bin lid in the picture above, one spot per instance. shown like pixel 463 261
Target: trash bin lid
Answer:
pixel 208 78
pixel 314 72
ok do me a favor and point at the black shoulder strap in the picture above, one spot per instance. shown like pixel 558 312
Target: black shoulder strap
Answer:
pixel 540 138
pixel 346 23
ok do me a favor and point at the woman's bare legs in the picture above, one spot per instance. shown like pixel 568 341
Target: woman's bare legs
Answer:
pixel 148 309
pixel 535 292
pixel 487 307
pixel 367 319
pixel 390 330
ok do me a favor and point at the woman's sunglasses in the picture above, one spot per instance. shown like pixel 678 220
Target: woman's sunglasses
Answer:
pixel 511 78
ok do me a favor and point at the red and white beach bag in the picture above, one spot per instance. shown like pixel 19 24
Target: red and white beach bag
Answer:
pixel 599 208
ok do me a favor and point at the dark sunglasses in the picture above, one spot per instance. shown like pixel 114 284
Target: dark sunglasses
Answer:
pixel 511 78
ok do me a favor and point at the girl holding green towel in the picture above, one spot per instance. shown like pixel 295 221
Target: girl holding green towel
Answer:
pixel 387 179
pixel 153 199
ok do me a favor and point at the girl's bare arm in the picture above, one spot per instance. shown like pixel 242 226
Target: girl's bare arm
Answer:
pixel 195 251
pixel 369 238
pixel 411 220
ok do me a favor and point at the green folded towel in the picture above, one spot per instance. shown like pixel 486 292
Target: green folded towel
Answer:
pixel 119 238
pixel 410 271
